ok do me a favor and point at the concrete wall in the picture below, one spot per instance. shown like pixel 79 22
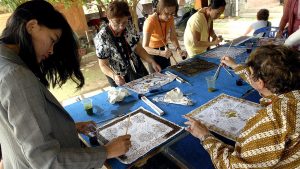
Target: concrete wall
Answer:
pixel 230 9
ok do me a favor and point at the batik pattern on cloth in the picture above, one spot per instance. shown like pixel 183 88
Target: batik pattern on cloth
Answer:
pixel 234 52
pixel 147 131
pixel 225 115
pixel 270 139
pixel 193 66
pixel 145 84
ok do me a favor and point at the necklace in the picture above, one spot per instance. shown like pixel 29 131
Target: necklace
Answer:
pixel 125 46
pixel 164 34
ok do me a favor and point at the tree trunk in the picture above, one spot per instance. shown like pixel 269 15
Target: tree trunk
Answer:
pixel 134 14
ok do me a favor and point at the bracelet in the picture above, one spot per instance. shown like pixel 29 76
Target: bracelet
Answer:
pixel 203 138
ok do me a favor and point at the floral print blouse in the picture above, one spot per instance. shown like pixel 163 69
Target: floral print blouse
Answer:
pixel 118 50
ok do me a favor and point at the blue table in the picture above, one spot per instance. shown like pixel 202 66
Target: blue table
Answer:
pixel 186 148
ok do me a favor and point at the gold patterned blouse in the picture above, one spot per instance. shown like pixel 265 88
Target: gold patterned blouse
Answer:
pixel 270 139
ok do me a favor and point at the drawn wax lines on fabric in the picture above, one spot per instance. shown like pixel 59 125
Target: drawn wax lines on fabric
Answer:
pixel 146 83
pixel 193 66
pixel 146 129
pixel 226 115
pixel 219 52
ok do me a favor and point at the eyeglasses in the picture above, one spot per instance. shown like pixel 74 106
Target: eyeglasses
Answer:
pixel 166 13
pixel 119 24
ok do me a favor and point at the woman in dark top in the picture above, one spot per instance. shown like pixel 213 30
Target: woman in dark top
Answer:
pixel 118 47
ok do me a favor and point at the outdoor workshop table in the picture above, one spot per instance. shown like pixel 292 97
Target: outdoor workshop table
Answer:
pixel 184 148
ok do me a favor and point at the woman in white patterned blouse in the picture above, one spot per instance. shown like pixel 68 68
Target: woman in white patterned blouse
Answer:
pixel 118 47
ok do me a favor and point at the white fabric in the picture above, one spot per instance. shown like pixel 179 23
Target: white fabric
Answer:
pixel 293 40
pixel 174 96
pixel 117 95
pixel 298 13
pixel 259 24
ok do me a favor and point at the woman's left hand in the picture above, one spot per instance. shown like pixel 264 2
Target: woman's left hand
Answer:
pixel 182 54
pixel 156 66
pixel 196 128
pixel 86 127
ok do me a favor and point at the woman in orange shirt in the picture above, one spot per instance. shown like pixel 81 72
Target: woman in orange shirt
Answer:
pixel 157 28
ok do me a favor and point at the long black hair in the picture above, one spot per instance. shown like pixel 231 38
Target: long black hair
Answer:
pixel 216 4
pixel 64 63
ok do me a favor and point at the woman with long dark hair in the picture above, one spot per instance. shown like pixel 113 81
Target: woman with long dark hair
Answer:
pixel 38 48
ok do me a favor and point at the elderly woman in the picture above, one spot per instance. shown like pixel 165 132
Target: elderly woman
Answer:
pixel 118 47
pixel 270 138
pixel 157 28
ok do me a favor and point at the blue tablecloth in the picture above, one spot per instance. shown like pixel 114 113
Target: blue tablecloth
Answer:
pixel 200 95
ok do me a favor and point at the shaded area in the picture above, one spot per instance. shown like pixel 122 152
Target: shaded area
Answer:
pixel 159 161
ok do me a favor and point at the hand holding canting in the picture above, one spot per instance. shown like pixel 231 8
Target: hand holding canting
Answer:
pixel 118 146
pixel 228 61
pixel 167 53
pixel 182 54
pixel 216 41
pixel 119 80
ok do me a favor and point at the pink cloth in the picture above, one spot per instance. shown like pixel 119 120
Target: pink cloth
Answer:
pixel 298 11
pixel 296 16
pixel 290 15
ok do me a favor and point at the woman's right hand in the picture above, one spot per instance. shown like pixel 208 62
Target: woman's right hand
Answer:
pixel 119 80
pixel 228 61
pixel 118 146
pixel 167 53
pixel 216 41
